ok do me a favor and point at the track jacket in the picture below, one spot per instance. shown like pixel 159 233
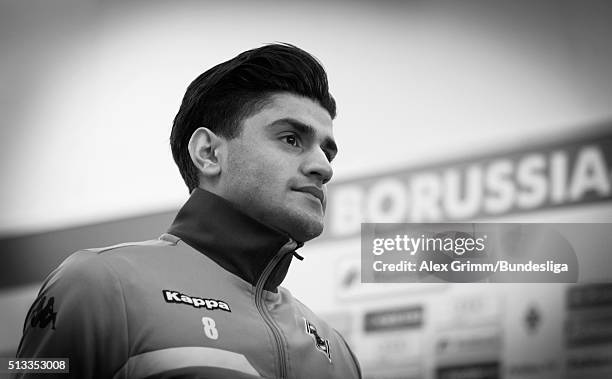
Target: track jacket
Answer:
pixel 202 301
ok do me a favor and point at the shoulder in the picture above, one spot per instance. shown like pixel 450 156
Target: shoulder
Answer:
pixel 298 305
pixel 303 312
pixel 133 248
pixel 103 258
pixel 91 267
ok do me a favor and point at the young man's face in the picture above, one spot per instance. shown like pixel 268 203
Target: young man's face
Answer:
pixel 277 167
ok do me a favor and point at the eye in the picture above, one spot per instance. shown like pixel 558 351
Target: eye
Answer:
pixel 291 140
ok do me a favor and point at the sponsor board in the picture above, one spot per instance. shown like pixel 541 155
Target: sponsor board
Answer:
pixel 392 338
pixel 393 319
pixel 469 310
pixel 460 345
pixel 589 296
pixel 484 370
pixel 533 332
pixel 533 370
pixel 391 351
pixel 591 327
pixel 468 329
pixel 395 373
pixel 589 362
pixel 589 331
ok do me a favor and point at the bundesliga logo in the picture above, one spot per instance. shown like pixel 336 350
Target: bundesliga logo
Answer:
pixel 196 302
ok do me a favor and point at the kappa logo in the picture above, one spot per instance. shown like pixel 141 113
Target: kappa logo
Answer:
pixel 322 344
pixel 196 302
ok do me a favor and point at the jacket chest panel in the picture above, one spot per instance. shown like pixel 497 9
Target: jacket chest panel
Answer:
pixel 311 345
pixel 178 316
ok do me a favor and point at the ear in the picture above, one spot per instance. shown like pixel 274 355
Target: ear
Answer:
pixel 204 149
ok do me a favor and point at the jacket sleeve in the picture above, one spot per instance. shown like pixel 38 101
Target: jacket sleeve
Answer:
pixel 355 360
pixel 79 314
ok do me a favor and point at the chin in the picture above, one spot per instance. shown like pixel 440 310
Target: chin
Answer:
pixel 302 227
pixel 309 232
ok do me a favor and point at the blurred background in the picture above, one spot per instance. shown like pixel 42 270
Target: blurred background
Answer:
pixel 433 98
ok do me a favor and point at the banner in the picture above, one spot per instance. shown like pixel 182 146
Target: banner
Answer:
pixel 542 177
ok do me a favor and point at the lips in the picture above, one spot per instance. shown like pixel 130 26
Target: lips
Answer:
pixel 314 191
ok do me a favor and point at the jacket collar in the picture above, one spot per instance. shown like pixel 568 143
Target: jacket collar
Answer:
pixel 234 240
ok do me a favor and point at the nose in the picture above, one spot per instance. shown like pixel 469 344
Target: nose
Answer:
pixel 316 165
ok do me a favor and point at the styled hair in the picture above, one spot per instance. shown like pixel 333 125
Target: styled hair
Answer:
pixel 222 97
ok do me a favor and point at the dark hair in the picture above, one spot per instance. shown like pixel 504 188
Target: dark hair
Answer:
pixel 222 97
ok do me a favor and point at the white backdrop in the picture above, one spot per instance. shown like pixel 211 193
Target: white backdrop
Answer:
pixel 89 88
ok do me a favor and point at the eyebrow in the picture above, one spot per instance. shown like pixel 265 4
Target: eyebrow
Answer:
pixel 329 145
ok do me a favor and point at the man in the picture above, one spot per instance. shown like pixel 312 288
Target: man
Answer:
pixel 253 141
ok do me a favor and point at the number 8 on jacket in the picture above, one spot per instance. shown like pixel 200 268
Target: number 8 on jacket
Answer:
pixel 210 328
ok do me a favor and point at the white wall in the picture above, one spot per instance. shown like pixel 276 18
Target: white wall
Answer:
pixel 89 89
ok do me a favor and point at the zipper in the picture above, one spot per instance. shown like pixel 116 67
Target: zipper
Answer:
pixel 263 311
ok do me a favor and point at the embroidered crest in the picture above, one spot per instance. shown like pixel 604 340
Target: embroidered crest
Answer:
pixel 322 344
pixel 42 314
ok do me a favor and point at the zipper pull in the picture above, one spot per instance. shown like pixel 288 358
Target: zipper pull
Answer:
pixel 298 245
pixel 295 254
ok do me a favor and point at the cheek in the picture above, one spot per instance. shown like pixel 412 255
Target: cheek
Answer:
pixel 252 170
